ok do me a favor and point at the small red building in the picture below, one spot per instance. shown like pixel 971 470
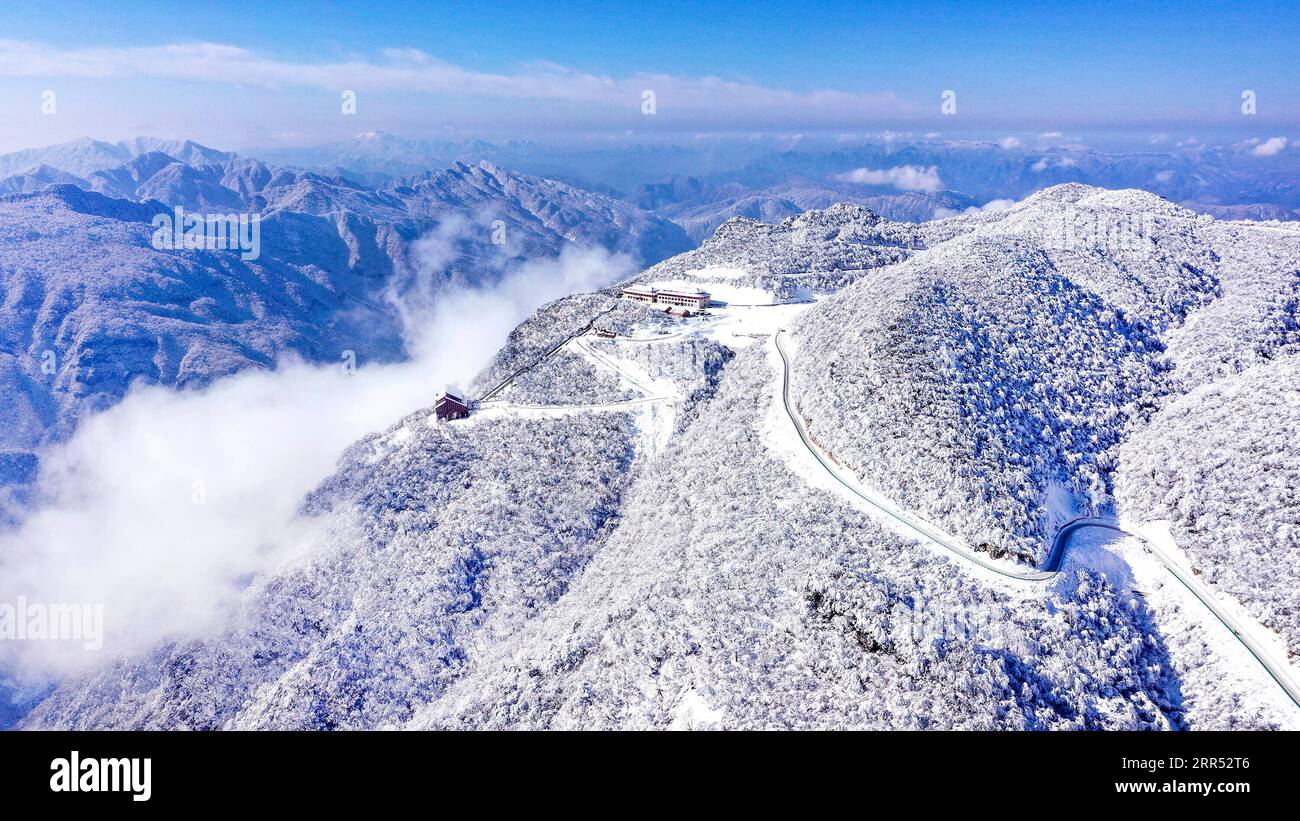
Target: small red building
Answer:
pixel 450 406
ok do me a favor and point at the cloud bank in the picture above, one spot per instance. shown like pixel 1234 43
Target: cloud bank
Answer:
pixel 163 507
pixel 901 177
pixel 1269 147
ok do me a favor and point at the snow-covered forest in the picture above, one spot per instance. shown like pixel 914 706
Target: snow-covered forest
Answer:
pixel 582 552
pixel 732 595
pixel 1222 464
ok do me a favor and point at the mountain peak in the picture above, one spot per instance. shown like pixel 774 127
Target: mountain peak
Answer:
pixel 75 198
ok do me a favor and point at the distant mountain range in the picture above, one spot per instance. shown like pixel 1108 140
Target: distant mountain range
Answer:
pixel 341 218
pixel 86 156
pixel 970 171
pixel 625 537
pixel 700 207
pixel 698 187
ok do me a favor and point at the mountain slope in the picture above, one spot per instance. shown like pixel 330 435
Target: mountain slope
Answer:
pixel 521 572
pixel 984 382
pixel 79 158
pixel 431 536
pixel 523 203
pixel 582 553
pixel 90 306
pixel 1221 465
pixel 818 251
pixel 974 384
pixel 700 207
pixel 38 178
pixel 761 603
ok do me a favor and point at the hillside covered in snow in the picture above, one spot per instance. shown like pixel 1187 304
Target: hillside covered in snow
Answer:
pixel 1222 465
pixel 628 531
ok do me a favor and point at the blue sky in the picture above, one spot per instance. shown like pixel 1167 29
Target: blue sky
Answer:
pixel 530 69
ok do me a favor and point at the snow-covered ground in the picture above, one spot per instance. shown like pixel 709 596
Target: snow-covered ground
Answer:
pixel 741 326
pixel 783 439
pixel 1233 644
pixel 632 374
pixel 719 272
pixel 657 415
pixel 1213 657
pixel 1121 559
pixel 1207 653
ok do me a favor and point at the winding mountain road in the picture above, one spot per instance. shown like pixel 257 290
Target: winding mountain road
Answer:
pixel 928 532
pixel 1060 543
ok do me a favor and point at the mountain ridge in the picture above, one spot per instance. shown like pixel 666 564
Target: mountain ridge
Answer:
pixel 697 566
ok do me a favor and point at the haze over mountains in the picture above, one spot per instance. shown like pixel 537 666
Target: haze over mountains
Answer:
pixel 1243 176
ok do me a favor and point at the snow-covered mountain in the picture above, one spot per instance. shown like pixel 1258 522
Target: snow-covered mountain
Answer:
pixel 535 210
pixel 630 532
pixel 37 179
pixel 1220 464
pixel 1259 212
pixel 600 168
pixel 523 203
pixel 981 170
pixel 89 306
pixel 700 207
pixel 84 157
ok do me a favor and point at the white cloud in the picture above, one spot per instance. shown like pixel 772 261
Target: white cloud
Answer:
pixel 1269 147
pixel 990 207
pixel 412 70
pixel 1010 143
pixel 902 177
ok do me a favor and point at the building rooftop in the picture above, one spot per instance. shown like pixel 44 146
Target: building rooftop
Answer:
pixel 679 292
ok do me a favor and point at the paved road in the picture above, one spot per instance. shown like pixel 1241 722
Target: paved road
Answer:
pixel 1279 673
pixel 1060 542
pixel 923 529
pixel 1060 545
